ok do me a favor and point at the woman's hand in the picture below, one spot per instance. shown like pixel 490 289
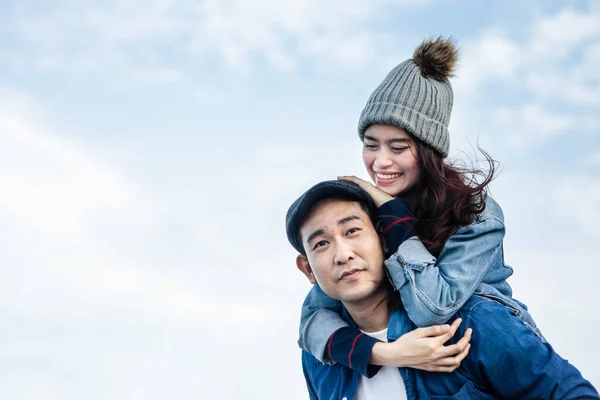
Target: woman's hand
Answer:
pixel 378 196
pixel 424 349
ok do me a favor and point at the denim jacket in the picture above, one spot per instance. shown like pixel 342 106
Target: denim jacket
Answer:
pixel 432 290
pixel 507 360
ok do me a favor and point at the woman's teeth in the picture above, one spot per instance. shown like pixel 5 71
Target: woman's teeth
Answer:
pixel 387 176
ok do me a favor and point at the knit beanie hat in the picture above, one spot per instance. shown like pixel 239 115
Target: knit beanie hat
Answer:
pixel 417 96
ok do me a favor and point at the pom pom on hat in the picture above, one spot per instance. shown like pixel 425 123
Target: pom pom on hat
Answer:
pixel 436 58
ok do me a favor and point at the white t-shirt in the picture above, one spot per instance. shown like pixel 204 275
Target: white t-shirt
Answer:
pixel 387 384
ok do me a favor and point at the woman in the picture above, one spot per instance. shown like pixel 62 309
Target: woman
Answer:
pixel 443 233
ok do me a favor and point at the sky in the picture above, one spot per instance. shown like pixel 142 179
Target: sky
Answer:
pixel 150 149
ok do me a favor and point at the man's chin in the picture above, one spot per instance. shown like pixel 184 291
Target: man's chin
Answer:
pixel 358 295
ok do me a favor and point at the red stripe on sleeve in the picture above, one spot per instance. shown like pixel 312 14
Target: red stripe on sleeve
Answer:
pixel 329 346
pixel 396 222
pixel 352 350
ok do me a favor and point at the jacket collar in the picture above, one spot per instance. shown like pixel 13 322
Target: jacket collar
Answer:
pixel 398 325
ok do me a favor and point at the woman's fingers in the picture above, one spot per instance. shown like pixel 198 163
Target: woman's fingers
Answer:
pixel 379 197
pixel 449 364
pixel 432 331
pixel 453 328
pixel 463 353
pixel 360 182
pixel 460 346
pixel 454 361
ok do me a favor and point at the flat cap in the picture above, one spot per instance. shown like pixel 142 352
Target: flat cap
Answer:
pixel 336 189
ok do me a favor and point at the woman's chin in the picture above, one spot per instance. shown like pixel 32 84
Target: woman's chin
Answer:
pixel 392 191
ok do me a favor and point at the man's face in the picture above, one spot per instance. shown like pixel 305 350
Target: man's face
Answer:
pixel 343 251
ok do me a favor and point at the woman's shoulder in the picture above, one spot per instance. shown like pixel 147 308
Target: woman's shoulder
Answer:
pixel 491 219
pixel 492 210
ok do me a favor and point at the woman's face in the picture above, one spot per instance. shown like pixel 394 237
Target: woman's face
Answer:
pixel 390 155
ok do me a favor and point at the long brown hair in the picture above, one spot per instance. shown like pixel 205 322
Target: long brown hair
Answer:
pixel 448 196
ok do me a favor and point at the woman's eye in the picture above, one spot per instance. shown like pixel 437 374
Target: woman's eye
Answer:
pixel 399 149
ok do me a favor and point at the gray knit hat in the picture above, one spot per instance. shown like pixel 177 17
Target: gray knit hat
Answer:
pixel 417 96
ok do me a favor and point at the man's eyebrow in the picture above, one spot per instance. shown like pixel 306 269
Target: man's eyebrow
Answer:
pixel 342 221
pixel 348 219
pixel 313 235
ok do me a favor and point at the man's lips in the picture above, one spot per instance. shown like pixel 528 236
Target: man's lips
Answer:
pixel 350 273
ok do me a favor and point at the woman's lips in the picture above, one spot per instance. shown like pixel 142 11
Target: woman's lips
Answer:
pixel 386 179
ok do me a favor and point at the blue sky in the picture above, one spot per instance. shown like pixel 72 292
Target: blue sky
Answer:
pixel 149 151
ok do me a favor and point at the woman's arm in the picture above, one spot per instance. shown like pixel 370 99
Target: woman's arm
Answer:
pixel 423 348
pixel 324 332
pixel 432 290
pixel 329 338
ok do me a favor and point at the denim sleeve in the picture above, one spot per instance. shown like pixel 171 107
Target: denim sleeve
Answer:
pixel 432 290
pixel 508 356
pixel 320 318
pixel 312 392
pixel 326 336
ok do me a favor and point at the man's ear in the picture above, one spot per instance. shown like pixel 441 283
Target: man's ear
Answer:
pixel 383 243
pixel 302 264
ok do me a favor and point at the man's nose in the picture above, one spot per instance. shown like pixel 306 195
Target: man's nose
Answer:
pixel 343 252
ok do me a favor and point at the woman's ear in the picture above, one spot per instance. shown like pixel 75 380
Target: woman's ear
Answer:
pixel 304 267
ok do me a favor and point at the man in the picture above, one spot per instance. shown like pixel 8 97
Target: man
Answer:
pixel 333 223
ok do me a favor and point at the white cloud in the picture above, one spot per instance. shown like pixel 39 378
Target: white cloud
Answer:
pixel 168 287
pixel 530 124
pixel 48 181
pixel 581 194
pixel 549 45
pixel 557 35
pixel 576 84
pixel 592 160
pixel 121 36
pixel 92 294
pixel 549 76
pixel 490 57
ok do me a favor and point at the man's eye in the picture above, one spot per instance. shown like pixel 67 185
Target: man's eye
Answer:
pixel 352 231
pixel 370 146
pixel 319 244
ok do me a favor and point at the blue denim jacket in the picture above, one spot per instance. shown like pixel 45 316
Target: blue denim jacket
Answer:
pixel 432 290
pixel 507 360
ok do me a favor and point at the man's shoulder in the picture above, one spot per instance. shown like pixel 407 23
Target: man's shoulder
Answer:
pixel 327 380
pixel 308 360
pixel 313 367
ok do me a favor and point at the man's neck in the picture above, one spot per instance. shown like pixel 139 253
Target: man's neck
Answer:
pixel 371 314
